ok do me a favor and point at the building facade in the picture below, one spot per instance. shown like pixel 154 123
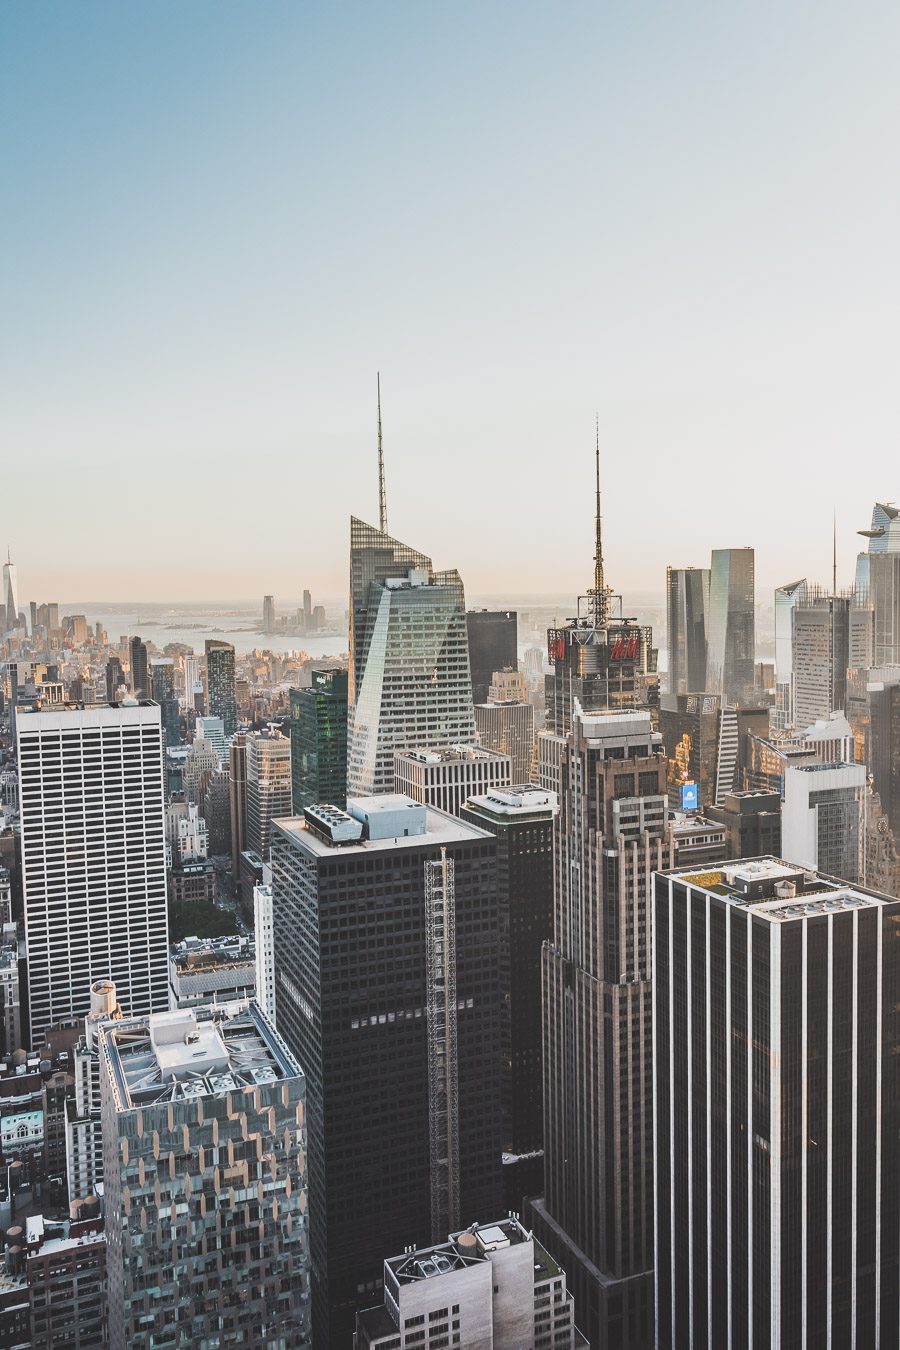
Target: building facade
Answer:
pixel 493 645
pixel 401 1058
pixel 823 818
pixel 786 598
pixel 221 700
pixel 446 779
pixel 821 655
pixel 268 786
pixel 205 1182
pixel 596 1216
pixel 775 1032
pixel 93 858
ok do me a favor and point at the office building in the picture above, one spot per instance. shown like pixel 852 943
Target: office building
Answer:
pixel 268 614
pixel 11 993
pixel 319 740
pixel 506 723
pixel 190 678
pixel 212 729
pixel 206 1103
pixel 823 818
pixel 386 987
pixel 687 610
pixel 115 679
pixel 493 645
pixel 162 681
pixel 264 949
pixel 731 641
pixel 186 833
pixel 596 1216
pixel 521 820
pixel 786 598
pixel 211 970
pixel 883 749
pixel 445 779
pixel 776 1120
pixel 200 765
pixel 53 1282
pixel 93 858
pixel 410 656
pixel 490 1287
pixel 697 840
pixel 884 595
pixel 268 786
pixel 689 725
pixel 883 537
pixel 752 823
pixel 140 669
pixel 821 655
pixel 220 683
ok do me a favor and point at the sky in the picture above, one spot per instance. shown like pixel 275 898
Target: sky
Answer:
pixel 218 221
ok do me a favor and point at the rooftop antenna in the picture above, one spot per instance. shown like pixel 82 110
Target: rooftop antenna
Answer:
pixel 601 601
pixel 382 496
pixel 834 551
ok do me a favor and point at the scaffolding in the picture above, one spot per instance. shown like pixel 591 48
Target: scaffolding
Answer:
pixel 443 1099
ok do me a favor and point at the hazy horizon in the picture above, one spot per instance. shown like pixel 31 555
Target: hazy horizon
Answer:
pixel 220 221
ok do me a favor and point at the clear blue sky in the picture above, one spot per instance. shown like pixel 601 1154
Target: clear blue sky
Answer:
pixel 218 219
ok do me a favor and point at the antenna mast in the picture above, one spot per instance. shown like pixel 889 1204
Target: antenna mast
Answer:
pixel 601 599
pixel 834 551
pixel 382 496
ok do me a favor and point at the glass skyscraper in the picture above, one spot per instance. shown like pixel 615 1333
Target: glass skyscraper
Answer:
pixel 220 683
pixel 731 646
pixel 786 597
pixel 687 607
pixel 409 657
pixel 319 740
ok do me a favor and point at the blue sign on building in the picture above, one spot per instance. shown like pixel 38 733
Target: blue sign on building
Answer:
pixel 689 797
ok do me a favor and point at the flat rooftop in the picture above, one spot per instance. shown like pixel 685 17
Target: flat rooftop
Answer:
pixel 470 1247
pixel 776 890
pixel 450 754
pixel 522 799
pixel 190 1053
pixel 440 829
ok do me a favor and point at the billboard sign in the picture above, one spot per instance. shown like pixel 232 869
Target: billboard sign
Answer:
pixel 690 797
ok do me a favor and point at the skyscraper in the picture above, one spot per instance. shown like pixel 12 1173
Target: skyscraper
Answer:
pixel 319 740
pixel 731 643
pixel 883 537
pixel 220 683
pixel 775 1036
pixel 203 1146
pixel 140 669
pixel 596 1216
pixel 596 660
pixel 401 1056
pixel 115 678
pixel 521 820
pixel 162 681
pixel 268 614
pixel 10 594
pixel 445 779
pixel 493 645
pixel 786 598
pixel 93 858
pixel 884 594
pixel 268 786
pixel 820 655
pixel 823 818
pixel 409 659
pixel 506 723
pixel 687 609
pixel 237 793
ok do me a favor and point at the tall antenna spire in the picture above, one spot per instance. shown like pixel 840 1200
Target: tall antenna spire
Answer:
pixel 600 597
pixel 382 496
pixel 834 551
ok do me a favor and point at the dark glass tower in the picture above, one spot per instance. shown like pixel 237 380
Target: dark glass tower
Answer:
pixel 521 819
pixel 115 678
pixel 386 989
pixel 140 669
pixel 162 680
pixel 687 607
pixel 596 1216
pixel 493 645
pixel 776 997
pixel 319 740
pixel 220 683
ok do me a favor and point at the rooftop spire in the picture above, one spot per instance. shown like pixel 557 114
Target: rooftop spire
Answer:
pixel 382 496
pixel 834 551
pixel 601 601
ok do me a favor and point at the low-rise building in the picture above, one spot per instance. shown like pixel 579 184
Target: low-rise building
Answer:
pixel 214 970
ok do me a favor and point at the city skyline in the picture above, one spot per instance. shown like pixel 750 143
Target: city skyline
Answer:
pixel 194 285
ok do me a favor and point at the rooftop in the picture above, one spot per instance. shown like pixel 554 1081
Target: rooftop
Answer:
pixel 523 799
pixel 439 829
pixel 450 754
pixel 470 1247
pixel 196 1052
pixel 776 890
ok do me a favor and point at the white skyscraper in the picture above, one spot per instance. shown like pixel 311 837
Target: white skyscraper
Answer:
pixel 265 947
pixel 93 858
